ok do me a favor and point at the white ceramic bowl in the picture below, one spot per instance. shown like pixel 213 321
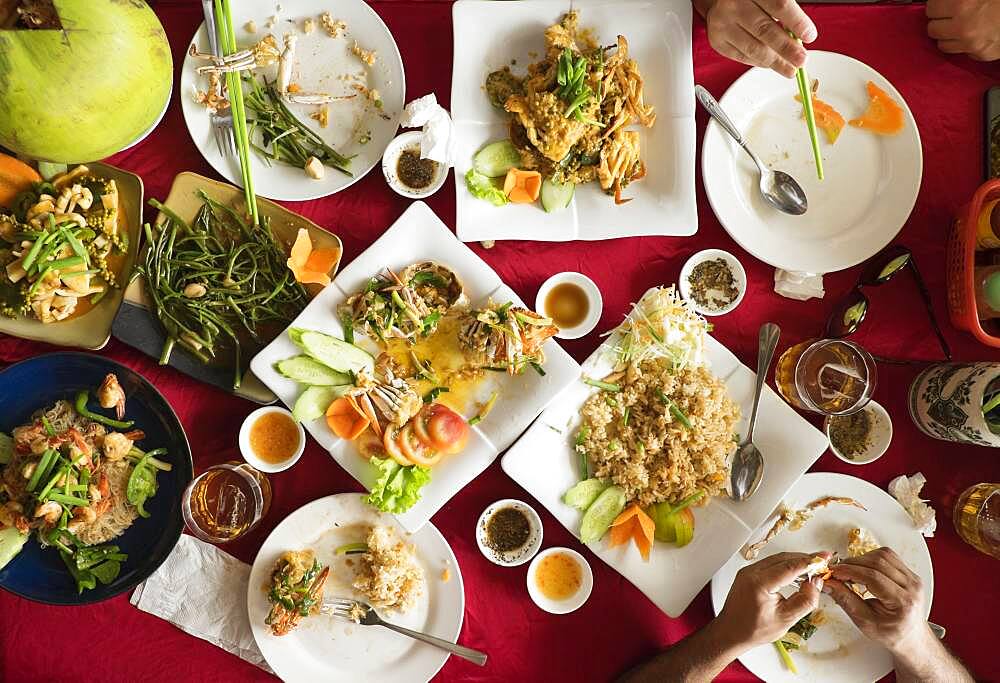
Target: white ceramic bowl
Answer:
pixel 521 555
pixel 594 298
pixel 570 604
pixel 881 436
pixel 391 156
pixel 253 458
pixel 739 274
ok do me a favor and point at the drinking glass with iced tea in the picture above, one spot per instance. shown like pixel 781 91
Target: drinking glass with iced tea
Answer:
pixel 226 501
pixel 977 518
pixel 826 376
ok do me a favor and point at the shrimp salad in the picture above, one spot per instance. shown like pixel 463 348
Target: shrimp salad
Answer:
pixel 76 479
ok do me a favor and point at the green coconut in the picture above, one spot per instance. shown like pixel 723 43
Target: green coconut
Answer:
pixel 80 79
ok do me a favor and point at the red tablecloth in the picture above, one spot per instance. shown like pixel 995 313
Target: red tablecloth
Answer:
pixel 618 627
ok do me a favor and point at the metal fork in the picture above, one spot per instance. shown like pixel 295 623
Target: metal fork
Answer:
pixel 222 124
pixel 342 608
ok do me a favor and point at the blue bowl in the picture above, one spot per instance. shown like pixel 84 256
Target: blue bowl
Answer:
pixel 39 573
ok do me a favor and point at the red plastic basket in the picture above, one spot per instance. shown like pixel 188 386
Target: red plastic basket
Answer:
pixel 962 263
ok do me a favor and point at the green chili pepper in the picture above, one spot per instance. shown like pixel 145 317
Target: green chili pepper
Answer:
pixel 81 408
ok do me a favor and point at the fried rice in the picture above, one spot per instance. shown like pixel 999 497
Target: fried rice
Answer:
pixel 652 455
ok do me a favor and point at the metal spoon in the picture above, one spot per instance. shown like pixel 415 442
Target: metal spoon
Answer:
pixel 748 464
pixel 778 188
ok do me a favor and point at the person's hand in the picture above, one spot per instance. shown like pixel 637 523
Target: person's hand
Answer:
pixel 969 27
pixel 749 31
pixel 895 617
pixel 755 613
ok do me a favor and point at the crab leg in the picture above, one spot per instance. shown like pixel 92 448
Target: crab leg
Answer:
pixel 369 410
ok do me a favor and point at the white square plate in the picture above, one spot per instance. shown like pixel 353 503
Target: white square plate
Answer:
pixel 544 463
pixel 420 235
pixel 489 35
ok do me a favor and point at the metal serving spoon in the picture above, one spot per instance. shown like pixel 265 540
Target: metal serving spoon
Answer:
pixel 748 464
pixel 778 188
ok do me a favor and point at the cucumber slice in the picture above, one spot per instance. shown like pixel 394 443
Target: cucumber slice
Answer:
pixel 11 542
pixel 601 513
pixel 50 169
pixel 584 493
pixel 314 401
pixel 6 448
pixel 306 370
pixel 556 196
pixel 496 158
pixel 334 353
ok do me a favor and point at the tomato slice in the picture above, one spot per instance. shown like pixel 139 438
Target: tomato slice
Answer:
pixel 420 424
pixel 414 450
pixel 392 448
pixel 448 430
pixel 370 445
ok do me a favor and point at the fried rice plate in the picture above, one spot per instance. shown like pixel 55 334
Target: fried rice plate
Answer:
pixel 652 455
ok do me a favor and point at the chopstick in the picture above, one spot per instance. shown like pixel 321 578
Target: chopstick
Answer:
pixel 227 39
pixel 805 93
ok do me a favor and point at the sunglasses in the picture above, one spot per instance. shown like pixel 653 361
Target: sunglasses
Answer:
pixel 851 311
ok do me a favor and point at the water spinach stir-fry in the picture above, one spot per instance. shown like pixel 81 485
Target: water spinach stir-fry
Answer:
pixel 76 478
pixel 218 282
pixel 296 590
pixel 60 244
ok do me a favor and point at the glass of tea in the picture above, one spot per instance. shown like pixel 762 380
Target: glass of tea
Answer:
pixel 826 376
pixel 226 501
pixel 977 518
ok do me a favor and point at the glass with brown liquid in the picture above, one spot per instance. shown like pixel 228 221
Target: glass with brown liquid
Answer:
pixel 827 376
pixel 977 518
pixel 226 501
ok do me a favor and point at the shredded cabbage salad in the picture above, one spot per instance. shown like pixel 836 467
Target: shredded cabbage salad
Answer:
pixel 660 325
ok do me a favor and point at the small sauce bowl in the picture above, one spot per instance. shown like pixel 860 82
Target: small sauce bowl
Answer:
pixel 257 461
pixel 595 302
pixel 574 601
pixel 879 438
pixel 402 142
pixel 739 276
pixel 518 556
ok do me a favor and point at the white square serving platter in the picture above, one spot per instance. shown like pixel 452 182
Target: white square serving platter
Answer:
pixel 489 35
pixel 420 235
pixel 544 463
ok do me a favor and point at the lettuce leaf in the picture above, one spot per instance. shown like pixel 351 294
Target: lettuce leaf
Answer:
pixel 397 488
pixel 481 187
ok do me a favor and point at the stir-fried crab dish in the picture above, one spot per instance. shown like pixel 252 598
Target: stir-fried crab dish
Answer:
pixel 407 305
pixel 384 397
pixel 570 114
pixel 505 337
pixel 296 590
pixel 59 247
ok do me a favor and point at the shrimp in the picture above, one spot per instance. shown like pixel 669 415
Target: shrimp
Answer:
pixel 49 511
pixel 12 515
pixel 117 446
pixel 81 517
pixel 111 395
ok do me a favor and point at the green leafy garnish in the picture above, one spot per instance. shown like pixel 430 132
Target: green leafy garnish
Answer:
pixel 397 488
pixel 481 187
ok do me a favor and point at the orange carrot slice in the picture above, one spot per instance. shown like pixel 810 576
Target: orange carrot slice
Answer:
pixel 309 265
pixel 345 419
pixel 633 524
pixel 522 187
pixel 884 115
pixel 627 514
pixel 15 178
pixel 827 118
pixel 620 534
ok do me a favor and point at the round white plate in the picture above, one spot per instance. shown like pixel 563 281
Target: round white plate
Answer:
pixel 871 181
pixel 320 60
pixel 838 652
pixel 322 648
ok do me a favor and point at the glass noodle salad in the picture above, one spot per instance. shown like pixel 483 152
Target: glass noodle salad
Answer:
pixel 660 325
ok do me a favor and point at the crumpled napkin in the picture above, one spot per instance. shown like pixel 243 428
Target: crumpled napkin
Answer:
pixel 907 491
pixel 438 141
pixel 798 286
pixel 219 614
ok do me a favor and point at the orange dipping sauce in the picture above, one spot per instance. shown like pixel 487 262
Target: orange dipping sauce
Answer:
pixel 567 304
pixel 274 437
pixel 558 576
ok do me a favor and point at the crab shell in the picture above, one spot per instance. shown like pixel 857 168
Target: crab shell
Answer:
pixel 455 294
